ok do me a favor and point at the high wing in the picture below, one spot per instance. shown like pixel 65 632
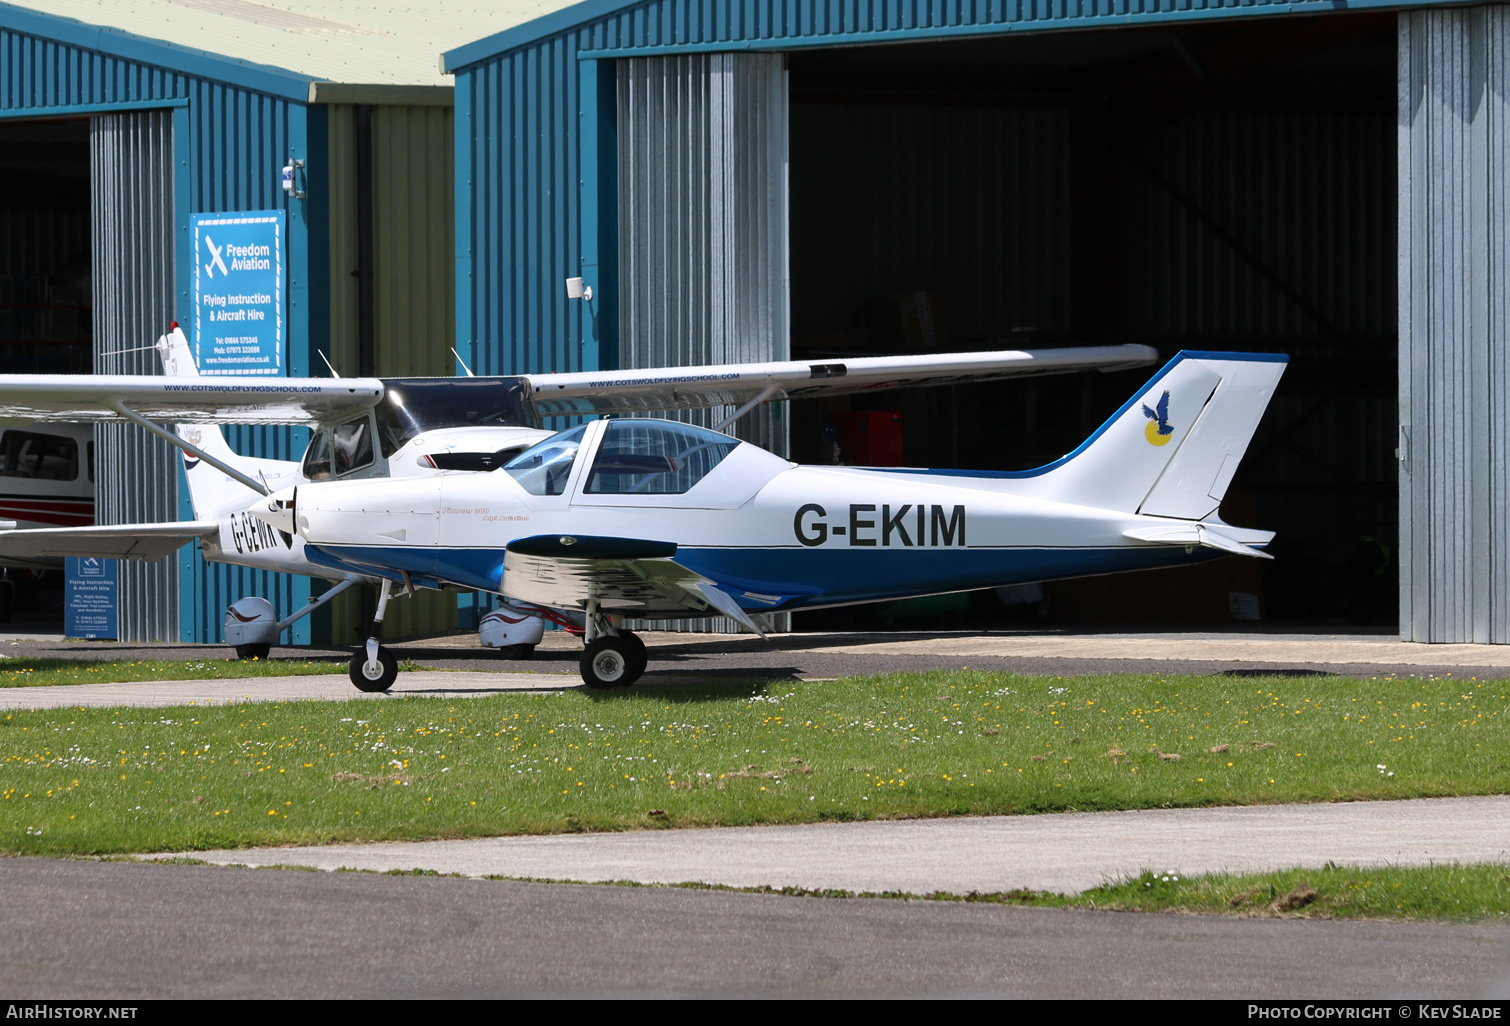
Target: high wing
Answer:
pixel 619 575
pixel 682 388
pixel 48 546
pixel 188 400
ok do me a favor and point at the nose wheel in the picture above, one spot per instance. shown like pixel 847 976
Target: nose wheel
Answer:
pixel 373 673
pixel 374 668
pixel 613 660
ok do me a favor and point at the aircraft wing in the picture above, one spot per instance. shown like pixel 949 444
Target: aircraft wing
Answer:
pixel 684 388
pixel 624 575
pixel 46 547
pixel 187 400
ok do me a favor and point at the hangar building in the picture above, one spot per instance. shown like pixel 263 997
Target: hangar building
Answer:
pixel 749 180
pixel 1329 180
pixel 121 121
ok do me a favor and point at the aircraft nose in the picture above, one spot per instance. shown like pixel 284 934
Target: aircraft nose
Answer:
pixel 277 510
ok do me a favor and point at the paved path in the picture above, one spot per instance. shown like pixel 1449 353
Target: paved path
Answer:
pixel 414 684
pixel 82 930
pixel 1064 852
pixel 691 659
pixel 1065 651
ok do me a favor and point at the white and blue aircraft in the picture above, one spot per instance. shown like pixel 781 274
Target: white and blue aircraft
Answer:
pixel 454 483
pixel 658 520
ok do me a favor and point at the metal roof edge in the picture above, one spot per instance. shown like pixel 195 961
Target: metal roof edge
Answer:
pixel 262 78
pixel 383 94
pixel 563 20
pixel 531 31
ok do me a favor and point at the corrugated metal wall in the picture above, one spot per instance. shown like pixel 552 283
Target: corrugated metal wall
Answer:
pixel 136 473
pixel 892 198
pixel 522 235
pixel 414 250
pixel 1300 191
pixel 1454 135
pixel 237 139
pixel 45 326
pixel 688 23
pixel 702 225
pixel 703 274
pixel 1273 230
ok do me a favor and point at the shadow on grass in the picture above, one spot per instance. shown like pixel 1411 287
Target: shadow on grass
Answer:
pixel 685 691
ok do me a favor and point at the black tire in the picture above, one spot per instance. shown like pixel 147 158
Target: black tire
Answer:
pixel 609 662
pixel 7 600
pixel 636 652
pixel 516 651
pixel 387 671
pixel 253 651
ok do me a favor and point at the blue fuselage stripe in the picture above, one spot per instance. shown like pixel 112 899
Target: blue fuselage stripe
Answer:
pixel 795 577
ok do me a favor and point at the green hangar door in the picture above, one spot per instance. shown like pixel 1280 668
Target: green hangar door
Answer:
pixel 1221 186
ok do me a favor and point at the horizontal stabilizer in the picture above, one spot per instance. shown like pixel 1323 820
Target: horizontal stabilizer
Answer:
pixel 1200 534
pixel 144 543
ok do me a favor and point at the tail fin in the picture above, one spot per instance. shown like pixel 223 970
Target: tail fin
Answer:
pixel 1172 449
pixel 210 491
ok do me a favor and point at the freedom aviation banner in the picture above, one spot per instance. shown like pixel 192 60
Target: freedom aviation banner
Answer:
pixel 238 292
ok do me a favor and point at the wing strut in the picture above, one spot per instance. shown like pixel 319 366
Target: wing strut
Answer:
pixel 747 407
pixel 192 450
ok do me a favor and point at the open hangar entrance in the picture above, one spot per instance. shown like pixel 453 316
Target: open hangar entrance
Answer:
pixel 45 328
pixel 1209 187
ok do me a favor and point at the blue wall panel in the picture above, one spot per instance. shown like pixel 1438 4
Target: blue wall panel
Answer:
pixel 524 227
pixel 237 140
pixel 520 151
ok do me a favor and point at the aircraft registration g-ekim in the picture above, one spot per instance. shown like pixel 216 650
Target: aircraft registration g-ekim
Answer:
pixel 655 519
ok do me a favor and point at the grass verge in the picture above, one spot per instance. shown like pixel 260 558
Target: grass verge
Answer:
pixel 1447 892
pixel 89 781
pixel 21 672
pixel 1331 892
pixel 1450 892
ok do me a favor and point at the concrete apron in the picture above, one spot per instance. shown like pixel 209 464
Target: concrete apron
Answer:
pixel 1064 852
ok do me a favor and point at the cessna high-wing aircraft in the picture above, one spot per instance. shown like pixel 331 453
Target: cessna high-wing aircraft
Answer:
pixel 434 433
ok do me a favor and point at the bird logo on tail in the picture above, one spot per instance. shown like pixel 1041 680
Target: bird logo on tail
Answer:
pixel 1159 430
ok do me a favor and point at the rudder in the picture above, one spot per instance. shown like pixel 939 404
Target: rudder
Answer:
pixel 1172 449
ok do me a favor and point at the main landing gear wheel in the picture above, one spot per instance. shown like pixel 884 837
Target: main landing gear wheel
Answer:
pixel 611 662
pixel 516 651
pixel 253 651
pixel 636 652
pixel 363 677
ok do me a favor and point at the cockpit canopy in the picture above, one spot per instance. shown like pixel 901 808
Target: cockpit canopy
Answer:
pixel 412 405
pixel 635 457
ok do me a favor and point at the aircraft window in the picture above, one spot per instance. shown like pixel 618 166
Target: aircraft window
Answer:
pixel 317 458
pixel 44 457
pixel 412 405
pixel 655 457
pixel 543 469
pixel 351 446
pixel 339 451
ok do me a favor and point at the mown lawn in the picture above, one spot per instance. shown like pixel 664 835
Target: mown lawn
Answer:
pixel 907 745
pixel 22 672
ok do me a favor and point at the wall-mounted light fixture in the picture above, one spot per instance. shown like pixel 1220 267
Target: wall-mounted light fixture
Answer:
pixel 576 290
pixel 291 172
